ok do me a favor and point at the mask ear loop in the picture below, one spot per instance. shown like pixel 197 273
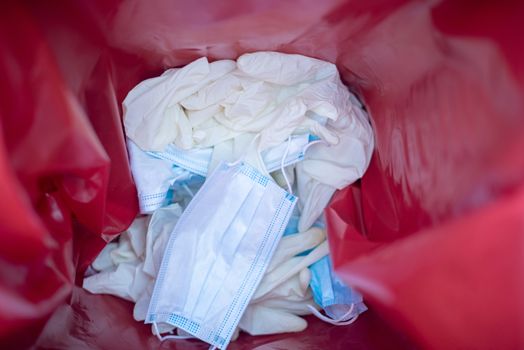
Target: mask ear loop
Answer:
pixel 241 158
pixel 288 184
pixel 342 321
pixel 314 143
pixel 166 337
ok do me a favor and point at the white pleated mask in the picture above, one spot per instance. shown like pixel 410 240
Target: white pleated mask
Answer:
pixel 218 253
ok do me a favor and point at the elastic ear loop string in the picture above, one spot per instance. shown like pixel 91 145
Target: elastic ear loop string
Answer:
pixel 288 184
pixel 314 143
pixel 342 321
pixel 306 147
pixel 241 158
pixel 166 337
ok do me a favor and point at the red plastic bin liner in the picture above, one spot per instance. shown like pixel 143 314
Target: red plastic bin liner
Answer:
pixel 433 235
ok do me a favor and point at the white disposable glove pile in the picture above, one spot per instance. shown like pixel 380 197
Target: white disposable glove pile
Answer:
pixel 241 108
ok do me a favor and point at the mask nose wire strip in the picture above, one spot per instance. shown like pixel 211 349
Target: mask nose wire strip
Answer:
pixel 338 322
pixel 288 184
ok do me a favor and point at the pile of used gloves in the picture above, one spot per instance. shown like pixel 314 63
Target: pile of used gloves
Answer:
pixel 234 163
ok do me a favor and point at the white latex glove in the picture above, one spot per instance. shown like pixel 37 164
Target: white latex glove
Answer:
pixel 118 282
pixel 292 245
pixel 203 103
pixel 104 261
pixel 327 168
pixel 277 315
pixel 142 303
pixel 131 243
pixel 343 163
pixel 284 291
pixel 293 289
pixel 313 199
pixel 260 320
pixel 137 260
pixel 286 270
pixel 162 223
pixel 153 117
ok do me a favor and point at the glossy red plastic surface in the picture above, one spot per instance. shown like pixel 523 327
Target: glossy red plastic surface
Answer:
pixel 432 235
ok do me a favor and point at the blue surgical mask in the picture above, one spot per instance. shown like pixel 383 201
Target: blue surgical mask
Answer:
pixel 292 226
pixel 218 252
pixel 160 182
pixel 197 160
pixel 341 303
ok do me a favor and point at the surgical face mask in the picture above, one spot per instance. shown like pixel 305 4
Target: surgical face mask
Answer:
pixel 341 304
pixel 159 182
pixel 218 252
pixel 197 160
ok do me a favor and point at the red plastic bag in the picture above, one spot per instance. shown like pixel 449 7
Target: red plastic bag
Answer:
pixel 433 235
